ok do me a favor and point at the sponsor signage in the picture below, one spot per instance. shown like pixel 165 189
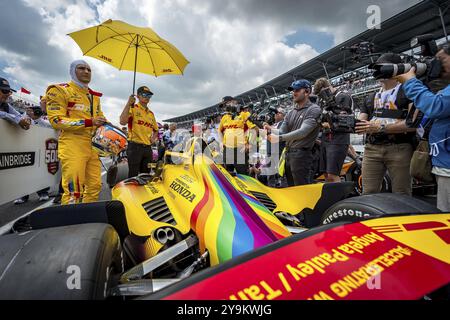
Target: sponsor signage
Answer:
pixel 11 160
pixel 51 156
pixel 392 258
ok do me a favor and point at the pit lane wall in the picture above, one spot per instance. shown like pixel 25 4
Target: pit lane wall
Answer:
pixel 28 160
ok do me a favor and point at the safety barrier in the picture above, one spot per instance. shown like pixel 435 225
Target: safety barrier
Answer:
pixel 28 160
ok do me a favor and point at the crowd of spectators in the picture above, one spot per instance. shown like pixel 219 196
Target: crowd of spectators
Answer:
pixel 235 131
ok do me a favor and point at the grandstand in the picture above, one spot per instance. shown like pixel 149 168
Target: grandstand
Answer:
pixel 343 65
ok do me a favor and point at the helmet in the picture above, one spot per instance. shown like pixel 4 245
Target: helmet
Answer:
pixel 109 140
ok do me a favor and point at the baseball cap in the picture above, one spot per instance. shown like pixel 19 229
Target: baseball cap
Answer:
pixel 144 90
pixel 4 85
pixel 300 84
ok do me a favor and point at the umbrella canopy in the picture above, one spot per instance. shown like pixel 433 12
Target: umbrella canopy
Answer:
pixel 132 48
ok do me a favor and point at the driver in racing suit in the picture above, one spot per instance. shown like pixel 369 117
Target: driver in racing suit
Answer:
pixel 75 109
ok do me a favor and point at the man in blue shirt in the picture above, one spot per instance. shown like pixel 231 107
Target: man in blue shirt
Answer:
pixel 7 112
pixel 437 108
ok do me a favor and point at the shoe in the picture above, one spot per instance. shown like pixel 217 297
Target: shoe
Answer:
pixel 44 197
pixel 20 201
pixel 57 199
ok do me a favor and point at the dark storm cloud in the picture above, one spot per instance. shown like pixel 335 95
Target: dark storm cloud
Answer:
pixel 348 17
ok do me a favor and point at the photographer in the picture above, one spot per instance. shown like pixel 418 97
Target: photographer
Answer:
pixel 436 107
pixel 233 129
pixel 334 142
pixel 299 130
pixel 389 141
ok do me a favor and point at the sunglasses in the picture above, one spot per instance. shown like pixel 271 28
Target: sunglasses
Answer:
pixel 6 91
pixel 146 95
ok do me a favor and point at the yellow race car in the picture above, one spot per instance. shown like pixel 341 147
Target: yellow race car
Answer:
pixel 188 216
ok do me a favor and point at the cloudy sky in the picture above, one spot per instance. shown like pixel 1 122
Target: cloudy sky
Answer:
pixel 233 46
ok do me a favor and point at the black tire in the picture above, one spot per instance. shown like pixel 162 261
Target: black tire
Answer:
pixel 111 176
pixel 37 265
pixel 354 175
pixel 375 206
pixel 117 173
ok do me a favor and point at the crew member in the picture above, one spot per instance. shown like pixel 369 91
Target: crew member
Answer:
pixel 75 109
pixel 299 130
pixel 142 131
pixel 233 128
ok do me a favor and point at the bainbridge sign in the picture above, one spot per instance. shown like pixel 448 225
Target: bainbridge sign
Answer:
pixel 28 161
pixel 16 160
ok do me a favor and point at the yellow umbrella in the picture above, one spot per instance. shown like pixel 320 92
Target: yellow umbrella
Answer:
pixel 127 47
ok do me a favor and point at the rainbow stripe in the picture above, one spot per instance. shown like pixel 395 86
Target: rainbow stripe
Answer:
pixel 74 191
pixel 225 220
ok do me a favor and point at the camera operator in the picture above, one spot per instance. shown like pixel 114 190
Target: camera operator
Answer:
pixel 299 131
pixel 37 117
pixel 389 141
pixel 233 128
pixel 334 143
pixel 436 107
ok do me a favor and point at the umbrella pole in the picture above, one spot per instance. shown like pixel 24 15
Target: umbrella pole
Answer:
pixel 135 62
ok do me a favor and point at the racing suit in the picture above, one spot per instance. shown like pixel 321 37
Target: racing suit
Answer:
pixel 141 127
pixel 235 137
pixel 71 109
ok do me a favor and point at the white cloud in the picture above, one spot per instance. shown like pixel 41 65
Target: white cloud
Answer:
pixel 233 46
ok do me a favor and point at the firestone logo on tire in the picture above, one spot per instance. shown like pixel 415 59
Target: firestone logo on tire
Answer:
pixel 51 156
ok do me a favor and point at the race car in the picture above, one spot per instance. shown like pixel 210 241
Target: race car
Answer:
pixel 191 221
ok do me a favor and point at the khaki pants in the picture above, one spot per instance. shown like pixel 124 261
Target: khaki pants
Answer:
pixel 443 193
pixel 395 158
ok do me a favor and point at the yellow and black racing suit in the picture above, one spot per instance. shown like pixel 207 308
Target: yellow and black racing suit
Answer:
pixel 235 138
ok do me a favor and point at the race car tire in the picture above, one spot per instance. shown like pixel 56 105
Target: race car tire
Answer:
pixel 375 206
pixel 72 262
pixel 117 173
pixel 111 175
pixel 354 174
